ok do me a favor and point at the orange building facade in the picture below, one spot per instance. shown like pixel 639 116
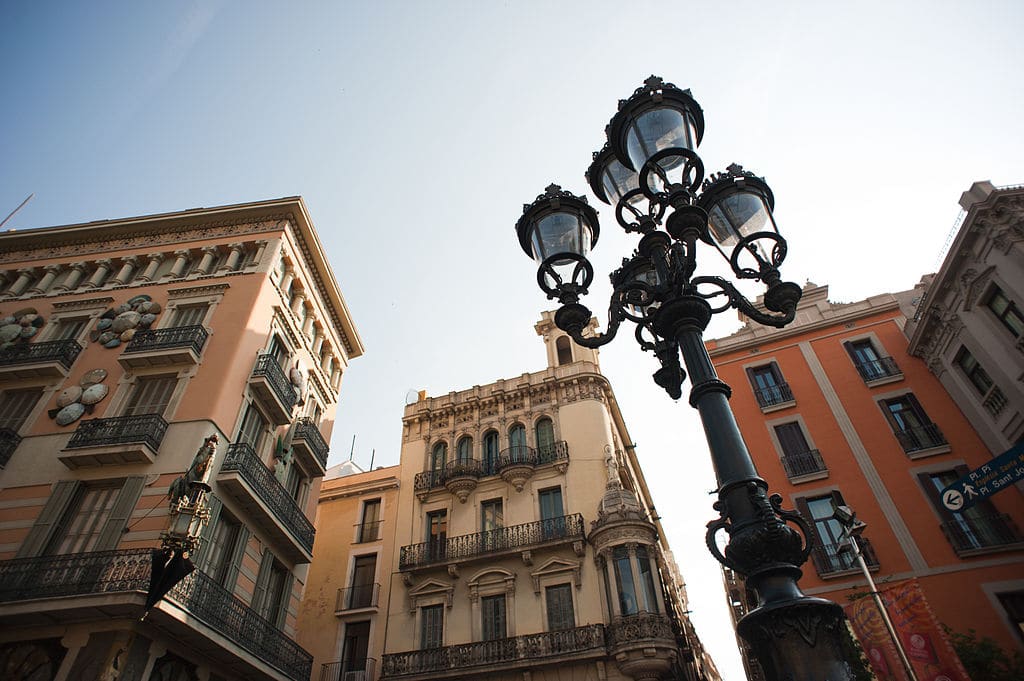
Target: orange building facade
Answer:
pixel 835 411
pixel 126 345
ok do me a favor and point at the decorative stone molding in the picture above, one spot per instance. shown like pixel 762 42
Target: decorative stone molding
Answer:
pixel 430 591
pixel 558 567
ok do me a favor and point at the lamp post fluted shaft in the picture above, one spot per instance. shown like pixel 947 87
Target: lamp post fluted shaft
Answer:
pixel 651 170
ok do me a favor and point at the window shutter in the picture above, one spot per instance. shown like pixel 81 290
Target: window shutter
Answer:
pixel 49 518
pixel 777 373
pixel 237 554
pixel 263 580
pixel 113 529
pixel 918 409
pixel 889 418
pixel 203 554
pixel 281 616
pixel 791 438
pixel 151 395
pixel 850 351
pixel 16 405
pixel 816 556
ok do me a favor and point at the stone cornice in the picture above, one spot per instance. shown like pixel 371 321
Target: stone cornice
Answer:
pixel 79 304
pixel 357 489
pixel 211 289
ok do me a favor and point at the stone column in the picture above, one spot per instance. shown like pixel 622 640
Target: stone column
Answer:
pixel 74 641
pixel 234 257
pixel 286 279
pixel 261 247
pixel 335 376
pixel 327 363
pixel 180 260
pixel 156 651
pixel 102 268
pixel 209 254
pixel 298 300
pixel 318 341
pixel 128 265
pixel 74 277
pixel 25 275
pixel 152 266
pixel 43 285
pixel 307 324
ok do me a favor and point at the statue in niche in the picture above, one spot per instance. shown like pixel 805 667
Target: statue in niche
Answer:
pixel 197 477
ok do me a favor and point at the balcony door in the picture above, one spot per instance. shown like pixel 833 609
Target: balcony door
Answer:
pixel 821 511
pixel 363 573
pixel 491 521
pixel 150 395
pixel 552 515
pixel 437 533
pixel 355 649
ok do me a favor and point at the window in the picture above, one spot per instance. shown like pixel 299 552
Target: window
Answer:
pixel 517 443
pixel 769 388
pixel 150 395
pixel 355 648
pixel 992 397
pixel 797 456
pixel 911 425
pixel 564 348
pixel 226 547
pixel 552 515
pixel 273 590
pixel 438 456
pixel 364 572
pixel 491 518
pixel 825 552
pixel 624 581
pixel 189 315
pixel 978 527
pixel 431 626
pixel 84 520
pixel 279 351
pixel 254 428
pixel 869 364
pixel 647 580
pixel 490 452
pixel 16 406
pixel 437 533
pixel 1013 604
pixel 1007 312
pixel 369 528
pixel 558 599
pixel 69 328
pixel 465 449
pixel 545 431
pixel 492 610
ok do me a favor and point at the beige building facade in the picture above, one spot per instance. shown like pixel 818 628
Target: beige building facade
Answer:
pixel 126 344
pixel 528 545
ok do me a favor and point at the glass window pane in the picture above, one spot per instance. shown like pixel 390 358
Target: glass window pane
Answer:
pixel 628 604
pixel 647 580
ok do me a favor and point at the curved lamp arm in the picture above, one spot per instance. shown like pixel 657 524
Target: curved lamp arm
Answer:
pixel 781 297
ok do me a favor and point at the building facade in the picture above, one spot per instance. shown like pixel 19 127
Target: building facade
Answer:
pixel 837 412
pixel 126 345
pixel 528 545
pixel 969 327
pixel 343 612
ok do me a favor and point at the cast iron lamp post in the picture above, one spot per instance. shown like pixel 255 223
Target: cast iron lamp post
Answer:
pixel 650 169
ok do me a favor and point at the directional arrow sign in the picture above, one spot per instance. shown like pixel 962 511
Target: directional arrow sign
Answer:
pixel 981 483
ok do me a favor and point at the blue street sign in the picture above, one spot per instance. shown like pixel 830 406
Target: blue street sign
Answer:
pixel 981 483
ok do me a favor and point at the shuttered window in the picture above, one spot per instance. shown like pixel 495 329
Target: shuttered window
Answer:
pixel 791 438
pixel 189 315
pixel 16 405
pixel 151 395
pixel 492 609
pixel 68 328
pixel 558 599
pixel 254 426
pixel 431 626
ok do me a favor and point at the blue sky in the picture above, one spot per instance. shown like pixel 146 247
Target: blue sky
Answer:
pixel 416 131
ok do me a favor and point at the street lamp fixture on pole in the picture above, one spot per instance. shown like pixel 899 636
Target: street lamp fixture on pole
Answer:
pixel 652 174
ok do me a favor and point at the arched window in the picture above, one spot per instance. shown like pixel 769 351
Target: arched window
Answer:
pixel 564 348
pixel 545 432
pixel 438 456
pixel 490 451
pixel 517 442
pixel 465 449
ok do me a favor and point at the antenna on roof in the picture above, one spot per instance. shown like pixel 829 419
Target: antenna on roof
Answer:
pixel 20 206
pixel 372 454
pixel 352 449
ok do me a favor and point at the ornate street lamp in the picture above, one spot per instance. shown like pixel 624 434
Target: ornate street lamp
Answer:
pixel 652 173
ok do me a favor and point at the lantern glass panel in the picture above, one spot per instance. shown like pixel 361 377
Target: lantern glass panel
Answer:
pixel 736 216
pixel 658 129
pixel 648 275
pixel 617 180
pixel 562 232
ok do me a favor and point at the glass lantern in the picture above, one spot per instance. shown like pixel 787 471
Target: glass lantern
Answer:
pixel 739 207
pixel 559 229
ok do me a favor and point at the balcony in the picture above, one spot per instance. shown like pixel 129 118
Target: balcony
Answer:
pixel 515 465
pixel 357 597
pixel 520 653
pixel 256 489
pixel 115 440
pixel 503 540
pixel 273 389
pixel 9 441
pixel 804 466
pixel 52 359
pixel 774 397
pixel 349 670
pixel 643 645
pixel 173 346
pixel 368 532
pixel 971 535
pixel 830 562
pixel 96 579
pixel 922 441
pixel 879 371
pixel 310 447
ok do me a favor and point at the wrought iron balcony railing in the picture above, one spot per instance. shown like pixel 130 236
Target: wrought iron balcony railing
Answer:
pixel 267 367
pixel 148 429
pixel 357 596
pixel 803 463
pixel 193 337
pixel 968 534
pixel 9 441
pixel 873 370
pixel 920 438
pixel 367 532
pixel 829 560
pixel 520 454
pixel 242 458
pixel 355 669
pixel 306 429
pixel 773 395
pixel 128 570
pixel 642 626
pixel 516 651
pixel 515 537
pixel 62 351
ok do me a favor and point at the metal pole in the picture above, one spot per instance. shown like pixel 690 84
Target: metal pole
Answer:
pixel 881 608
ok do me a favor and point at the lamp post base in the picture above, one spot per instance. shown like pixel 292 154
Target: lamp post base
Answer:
pixel 798 640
